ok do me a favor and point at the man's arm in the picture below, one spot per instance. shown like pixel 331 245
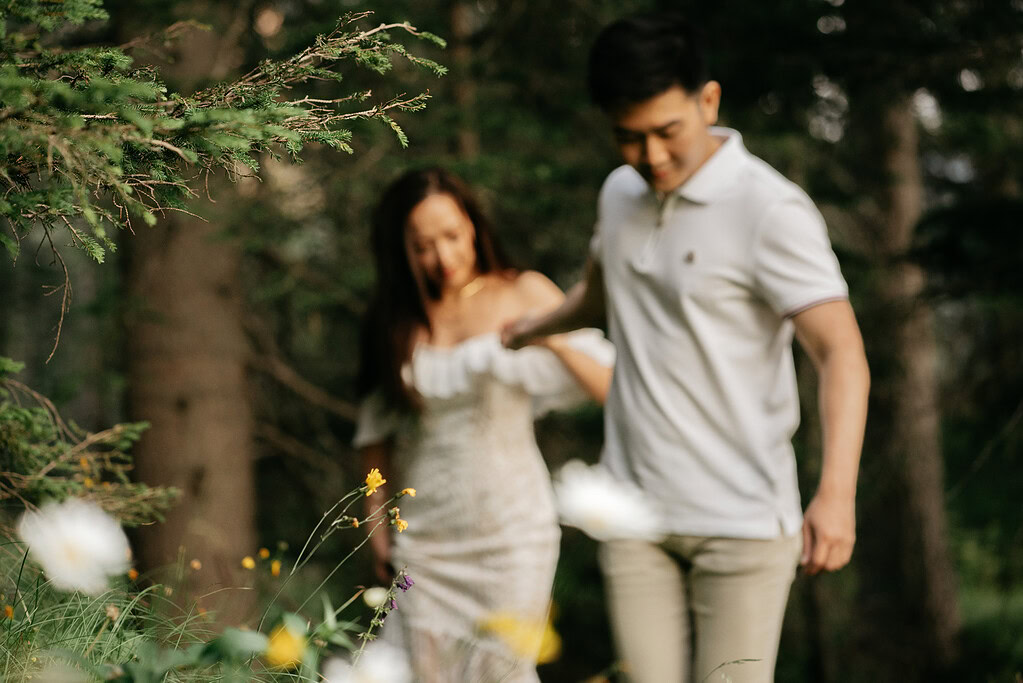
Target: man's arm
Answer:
pixel 541 295
pixel 830 336
pixel 583 307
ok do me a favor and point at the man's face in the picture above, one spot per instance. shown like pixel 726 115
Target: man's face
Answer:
pixel 666 138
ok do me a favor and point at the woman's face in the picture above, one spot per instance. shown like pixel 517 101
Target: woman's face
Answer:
pixel 442 243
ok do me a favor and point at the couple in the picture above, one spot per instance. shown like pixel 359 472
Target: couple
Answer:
pixel 705 263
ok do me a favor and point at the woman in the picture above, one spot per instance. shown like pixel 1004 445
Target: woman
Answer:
pixel 447 410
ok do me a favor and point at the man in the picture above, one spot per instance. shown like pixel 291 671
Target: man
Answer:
pixel 706 262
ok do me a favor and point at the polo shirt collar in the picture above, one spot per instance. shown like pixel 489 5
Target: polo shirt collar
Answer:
pixel 717 173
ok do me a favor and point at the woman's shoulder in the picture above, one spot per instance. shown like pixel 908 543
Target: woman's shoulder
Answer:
pixel 534 289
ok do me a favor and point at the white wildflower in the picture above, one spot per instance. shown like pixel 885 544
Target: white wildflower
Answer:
pixel 78 544
pixel 58 672
pixel 603 507
pixel 381 662
pixel 375 596
pixel 55 671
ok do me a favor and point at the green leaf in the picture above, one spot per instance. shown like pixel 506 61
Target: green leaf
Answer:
pixel 433 38
pixel 293 622
pixel 235 644
pixel 10 367
pixel 10 245
pixel 329 618
pixel 93 248
pixel 342 639
pixel 402 138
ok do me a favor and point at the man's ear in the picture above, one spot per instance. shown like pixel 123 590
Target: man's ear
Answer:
pixel 710 101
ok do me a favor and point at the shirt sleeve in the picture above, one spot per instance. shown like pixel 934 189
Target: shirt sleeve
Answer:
pixel 794 265
pixel 376 421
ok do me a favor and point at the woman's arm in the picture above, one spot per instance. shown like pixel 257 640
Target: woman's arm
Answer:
pixel 542 295
pixel 378 455
pixel 593 377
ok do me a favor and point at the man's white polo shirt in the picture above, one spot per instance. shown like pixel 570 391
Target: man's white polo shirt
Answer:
pixel 700 288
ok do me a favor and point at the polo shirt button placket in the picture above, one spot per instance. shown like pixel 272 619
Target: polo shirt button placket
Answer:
pixel 654 240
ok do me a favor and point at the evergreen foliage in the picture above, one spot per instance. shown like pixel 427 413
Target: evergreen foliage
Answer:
pixel 42 457
pixel 89 143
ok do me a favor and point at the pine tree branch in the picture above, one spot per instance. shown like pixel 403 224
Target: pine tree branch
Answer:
pixel 276 368
pixel 293 447
pixel 82 131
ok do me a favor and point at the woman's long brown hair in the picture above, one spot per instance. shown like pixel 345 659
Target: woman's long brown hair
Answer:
pixel 397 310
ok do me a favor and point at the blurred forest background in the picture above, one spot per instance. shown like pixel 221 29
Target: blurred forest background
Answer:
pixel 236 338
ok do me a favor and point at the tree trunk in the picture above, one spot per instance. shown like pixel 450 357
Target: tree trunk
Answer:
pixel 909 583
pixel 468 139
pixel 811 618
pixel 186 370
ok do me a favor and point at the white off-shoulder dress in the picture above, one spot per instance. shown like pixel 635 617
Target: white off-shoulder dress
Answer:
pixel 482 540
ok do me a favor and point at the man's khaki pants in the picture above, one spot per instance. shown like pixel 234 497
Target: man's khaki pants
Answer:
pixel 696 608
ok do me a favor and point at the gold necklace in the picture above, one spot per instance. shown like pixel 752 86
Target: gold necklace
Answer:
pixel 475 285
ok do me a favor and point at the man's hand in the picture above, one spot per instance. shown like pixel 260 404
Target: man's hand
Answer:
pixel 829 533
pixel 581 306
pixel 518 333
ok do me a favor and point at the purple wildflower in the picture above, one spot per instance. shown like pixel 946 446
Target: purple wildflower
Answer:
pixel 404 582
pixel 394 605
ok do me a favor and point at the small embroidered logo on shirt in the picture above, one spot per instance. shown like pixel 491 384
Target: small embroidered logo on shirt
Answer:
pixel 690 257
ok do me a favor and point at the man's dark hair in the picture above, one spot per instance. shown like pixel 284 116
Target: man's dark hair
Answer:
pixel 643 55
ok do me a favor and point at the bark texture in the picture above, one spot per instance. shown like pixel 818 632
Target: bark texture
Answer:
pixel 909 589
pixel 187 377
pixel 467 141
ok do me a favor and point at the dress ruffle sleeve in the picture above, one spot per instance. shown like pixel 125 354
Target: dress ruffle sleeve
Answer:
pixel 376 421
pixel 447 372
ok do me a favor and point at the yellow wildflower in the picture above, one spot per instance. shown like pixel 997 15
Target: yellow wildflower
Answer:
pixel 534 640
pixel 399 523
pixel 88 482
pixel 83 462
pixel 248 562
pixel 285 648
pixel 374 481
pixel 275 568
pixel 9 611
pixel 355 524
pixel 264 553
pixel 133 574
pixel 409 492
